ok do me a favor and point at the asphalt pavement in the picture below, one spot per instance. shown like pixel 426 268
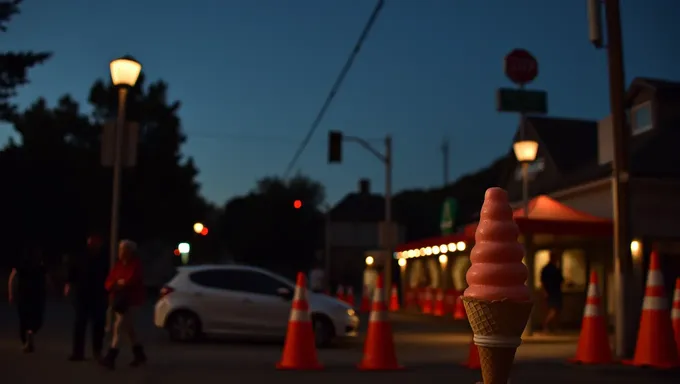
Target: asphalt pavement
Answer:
pixel 429 348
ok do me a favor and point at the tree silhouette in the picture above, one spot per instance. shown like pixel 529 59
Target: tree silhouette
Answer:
pixel 14 65
pixel 264 228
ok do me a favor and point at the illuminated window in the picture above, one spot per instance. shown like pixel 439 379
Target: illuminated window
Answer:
pixel 460 266
pixel 573 265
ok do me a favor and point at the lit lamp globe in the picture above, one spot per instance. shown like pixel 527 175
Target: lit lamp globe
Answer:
pixel 198 227
pixel 525 150
pixel 125 71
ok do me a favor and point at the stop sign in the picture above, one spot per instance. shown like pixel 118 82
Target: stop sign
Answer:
pixel 520 66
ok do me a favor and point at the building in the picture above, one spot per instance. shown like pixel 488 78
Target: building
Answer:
pixel 354 233
pixel 570 183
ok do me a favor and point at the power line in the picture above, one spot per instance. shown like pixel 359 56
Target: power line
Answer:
pixel 238 137
pixel 336 87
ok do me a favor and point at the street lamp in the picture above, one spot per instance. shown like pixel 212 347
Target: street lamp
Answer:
pixel 198 227
pixel 124 74
pixel 525 152
pixel 369 261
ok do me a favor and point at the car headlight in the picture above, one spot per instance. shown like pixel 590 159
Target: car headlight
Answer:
pixel 351 313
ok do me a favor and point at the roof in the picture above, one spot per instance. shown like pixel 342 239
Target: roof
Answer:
pixel 359 207
pixel 563 135
pixel 547 215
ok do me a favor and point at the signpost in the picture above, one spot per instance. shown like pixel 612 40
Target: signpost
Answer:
pixel 449 211
pixel 521 67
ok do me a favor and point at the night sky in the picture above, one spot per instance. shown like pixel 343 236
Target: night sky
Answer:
pixel 252 75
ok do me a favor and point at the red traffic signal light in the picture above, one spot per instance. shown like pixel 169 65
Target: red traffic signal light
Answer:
pixel 204 231
pixel 297 204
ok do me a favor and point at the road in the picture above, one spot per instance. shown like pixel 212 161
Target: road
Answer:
pixel 429 348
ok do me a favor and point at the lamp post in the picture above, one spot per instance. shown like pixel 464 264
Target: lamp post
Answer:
pixel 402 275
pixel 525 152
pixel 124 74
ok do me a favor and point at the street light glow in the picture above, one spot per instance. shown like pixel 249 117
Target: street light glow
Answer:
pixel 402 262
pixel 525 150
pixel 184 248
pixel 198 227
pixel 125 71
pixel 443 259
pixel 369 260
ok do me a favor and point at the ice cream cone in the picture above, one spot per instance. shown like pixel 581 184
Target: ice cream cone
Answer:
pixel 497 327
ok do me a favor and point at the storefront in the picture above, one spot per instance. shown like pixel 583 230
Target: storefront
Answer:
pixel 583 239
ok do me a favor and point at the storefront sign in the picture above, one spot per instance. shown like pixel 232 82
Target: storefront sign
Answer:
pixel 449 211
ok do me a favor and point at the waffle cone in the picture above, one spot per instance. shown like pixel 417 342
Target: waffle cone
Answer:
pixel 503 319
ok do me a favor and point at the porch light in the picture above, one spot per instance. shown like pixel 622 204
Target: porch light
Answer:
pixel 525 150
pixel 443 259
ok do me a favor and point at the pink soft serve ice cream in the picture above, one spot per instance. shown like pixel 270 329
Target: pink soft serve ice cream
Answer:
pixel 497 271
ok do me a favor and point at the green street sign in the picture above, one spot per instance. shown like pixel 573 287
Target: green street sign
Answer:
pixel 449 211
pixel 522 101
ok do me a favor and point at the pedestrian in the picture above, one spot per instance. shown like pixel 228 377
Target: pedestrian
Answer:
pixel 85 286
pixel 27 288
pixel 126 288
pixel 551 280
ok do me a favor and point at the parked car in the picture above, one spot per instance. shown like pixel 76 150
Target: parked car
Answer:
pixel 245 301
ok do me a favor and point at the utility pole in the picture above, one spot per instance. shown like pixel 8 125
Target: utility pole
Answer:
pixel 445 159
pixel 625 319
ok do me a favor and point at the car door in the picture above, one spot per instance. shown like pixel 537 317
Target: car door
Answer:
pixel 219 301
pixel 268 306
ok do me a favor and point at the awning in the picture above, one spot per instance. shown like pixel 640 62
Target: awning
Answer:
pixel 548 216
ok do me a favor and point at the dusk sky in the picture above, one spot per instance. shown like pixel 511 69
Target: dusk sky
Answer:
pixel 252 74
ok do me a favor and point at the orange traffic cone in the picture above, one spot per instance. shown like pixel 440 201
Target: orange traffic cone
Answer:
pixel 593 343
pixel 379 353
pixel 340 293
pixel 655 345
pixel 459 312
pixel 349 299
pixel 427 301
pixel 299 351
pixel 365 301
pixel 473 357
pixel 394 299
pixel 439 303
pixel 450 301
pixel 675 314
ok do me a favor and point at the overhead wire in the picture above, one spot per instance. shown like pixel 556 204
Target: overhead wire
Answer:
pixel 336 87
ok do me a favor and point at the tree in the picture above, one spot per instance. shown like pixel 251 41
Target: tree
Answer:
pixel 160 195
pixel 263 227
pixel 14 65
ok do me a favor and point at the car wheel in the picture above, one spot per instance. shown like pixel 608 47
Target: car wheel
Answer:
pixel 324 333
pixel 184 326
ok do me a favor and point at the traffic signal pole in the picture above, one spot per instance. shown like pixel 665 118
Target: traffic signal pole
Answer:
pixel 388 238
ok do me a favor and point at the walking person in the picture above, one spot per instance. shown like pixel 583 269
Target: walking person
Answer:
pixel 126 287
pixel 27 288
pixel 85 286
pixel 551 280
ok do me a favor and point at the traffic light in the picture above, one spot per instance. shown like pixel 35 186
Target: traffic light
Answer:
pixel 334 146
pixel 297 204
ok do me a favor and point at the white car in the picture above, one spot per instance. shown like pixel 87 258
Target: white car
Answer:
pixel 243 300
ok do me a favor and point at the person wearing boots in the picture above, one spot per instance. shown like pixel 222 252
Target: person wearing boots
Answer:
pixel 126 288
pixel 85 287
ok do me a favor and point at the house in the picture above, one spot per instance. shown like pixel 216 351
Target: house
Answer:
pixel 355 228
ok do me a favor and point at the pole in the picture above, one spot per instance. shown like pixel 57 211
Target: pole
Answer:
pixel 625 312
pixel 445 155
pixel 327 251
pixel 528 331
pixel 388 212
pixel 115 193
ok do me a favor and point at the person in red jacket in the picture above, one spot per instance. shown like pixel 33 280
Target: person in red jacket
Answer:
pixel 126 294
